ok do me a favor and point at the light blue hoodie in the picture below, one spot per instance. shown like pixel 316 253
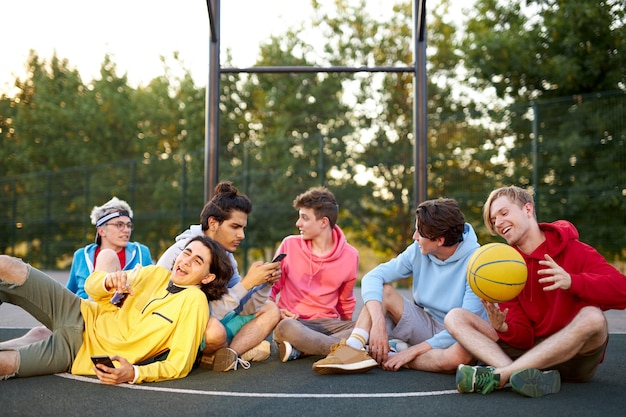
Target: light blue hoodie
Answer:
pixel 82 264
pixel 438 286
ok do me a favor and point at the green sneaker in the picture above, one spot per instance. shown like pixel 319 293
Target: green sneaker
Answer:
pixel 476 379
pixel 535 383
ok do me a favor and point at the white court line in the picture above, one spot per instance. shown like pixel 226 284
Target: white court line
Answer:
pixel 264 394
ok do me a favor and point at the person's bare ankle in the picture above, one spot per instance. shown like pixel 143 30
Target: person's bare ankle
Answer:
pixel 9 363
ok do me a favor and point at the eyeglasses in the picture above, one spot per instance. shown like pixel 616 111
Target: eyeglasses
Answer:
pixel 121 225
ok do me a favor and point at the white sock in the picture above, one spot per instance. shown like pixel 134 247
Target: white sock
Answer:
pixel 358 338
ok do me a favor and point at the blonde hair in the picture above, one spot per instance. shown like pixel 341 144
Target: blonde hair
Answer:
pixel 515 194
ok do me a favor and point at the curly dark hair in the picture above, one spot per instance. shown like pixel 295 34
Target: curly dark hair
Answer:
pixel 220 266
pixel 441 218
pixel 225 200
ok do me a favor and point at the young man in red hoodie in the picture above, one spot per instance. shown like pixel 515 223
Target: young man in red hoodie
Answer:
pixel 555 328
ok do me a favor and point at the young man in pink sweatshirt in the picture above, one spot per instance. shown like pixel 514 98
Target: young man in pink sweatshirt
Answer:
pixel 315 293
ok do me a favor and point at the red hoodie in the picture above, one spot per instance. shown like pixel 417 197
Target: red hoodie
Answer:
pixel 537 313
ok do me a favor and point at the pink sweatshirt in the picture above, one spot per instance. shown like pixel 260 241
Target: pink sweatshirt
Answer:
pixel 317 287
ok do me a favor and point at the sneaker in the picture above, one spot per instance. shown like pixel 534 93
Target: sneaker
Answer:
pixel 207 361
pixel 397 345
pixel 258 353
pixel 535 383
pixel 227 359
pixel 344 359
pixel 476 379
pixel 286 352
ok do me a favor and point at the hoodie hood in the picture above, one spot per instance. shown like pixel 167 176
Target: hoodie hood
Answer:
pixel 465 248
pixel 558 235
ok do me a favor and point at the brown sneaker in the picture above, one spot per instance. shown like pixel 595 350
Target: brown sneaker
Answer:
pixel 207 361
pixel 344 359
pixel 227 359
pixel 258 353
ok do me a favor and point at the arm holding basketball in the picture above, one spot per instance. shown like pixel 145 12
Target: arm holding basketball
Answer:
pixel 496 316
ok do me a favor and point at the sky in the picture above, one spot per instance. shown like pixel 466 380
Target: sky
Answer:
pixel 136 33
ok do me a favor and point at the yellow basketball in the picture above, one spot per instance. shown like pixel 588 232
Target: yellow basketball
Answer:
pixel 496 272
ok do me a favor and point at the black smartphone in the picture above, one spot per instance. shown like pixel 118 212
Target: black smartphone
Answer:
pixel 105 360
pixel 279 257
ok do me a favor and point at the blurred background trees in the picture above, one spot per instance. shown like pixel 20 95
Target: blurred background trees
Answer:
pixel 528 93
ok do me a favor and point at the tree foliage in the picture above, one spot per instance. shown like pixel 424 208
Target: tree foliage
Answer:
pixel 512 98
pixel 547 58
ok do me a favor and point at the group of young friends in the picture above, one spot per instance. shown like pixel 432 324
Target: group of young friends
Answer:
pixel 193 308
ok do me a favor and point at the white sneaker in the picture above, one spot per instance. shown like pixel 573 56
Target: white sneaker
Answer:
pixel 258 353
pixel 398 345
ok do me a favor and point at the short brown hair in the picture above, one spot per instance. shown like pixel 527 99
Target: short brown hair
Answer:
pixel 515 194
pixel 322 201
pixel 441 218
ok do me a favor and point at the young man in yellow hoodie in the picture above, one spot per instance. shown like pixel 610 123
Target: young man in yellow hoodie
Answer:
pixel 164 312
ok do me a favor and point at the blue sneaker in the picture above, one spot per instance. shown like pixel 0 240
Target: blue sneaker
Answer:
pixel 287 352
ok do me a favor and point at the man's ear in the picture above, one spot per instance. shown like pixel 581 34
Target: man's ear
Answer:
pixel 213 224
pixel 208 279
pixel 529 208
pixel 325 221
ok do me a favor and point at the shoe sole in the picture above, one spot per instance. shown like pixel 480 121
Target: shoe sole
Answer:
pixel 225 360
pixel 354 368
pixel 207 362
pixel 283 352
pixel 535 383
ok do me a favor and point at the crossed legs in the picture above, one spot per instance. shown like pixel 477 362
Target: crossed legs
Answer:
pixel 585 333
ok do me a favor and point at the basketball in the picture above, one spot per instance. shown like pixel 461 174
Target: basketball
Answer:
pixel 496 272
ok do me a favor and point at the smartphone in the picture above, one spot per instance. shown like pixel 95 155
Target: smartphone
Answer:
pixel 105 360
pixel 279 257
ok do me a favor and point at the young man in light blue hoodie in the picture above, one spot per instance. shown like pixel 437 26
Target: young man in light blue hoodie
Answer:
pixel 437 261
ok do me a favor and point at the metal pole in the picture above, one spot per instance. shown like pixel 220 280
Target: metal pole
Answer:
pixel 211 142
pixel 420 128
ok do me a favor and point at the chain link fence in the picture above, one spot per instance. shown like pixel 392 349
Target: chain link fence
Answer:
pixel 572 151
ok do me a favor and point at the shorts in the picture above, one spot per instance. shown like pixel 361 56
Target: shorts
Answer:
pixel 233 322
pixel 580 368
pixel 415 325
pixel 328 327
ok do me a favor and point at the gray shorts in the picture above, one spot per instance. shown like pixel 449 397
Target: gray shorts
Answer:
pixel 414 326
pixel 328 327
pixel 59 310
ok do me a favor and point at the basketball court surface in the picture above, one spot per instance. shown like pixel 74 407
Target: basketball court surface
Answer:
pixel 273 388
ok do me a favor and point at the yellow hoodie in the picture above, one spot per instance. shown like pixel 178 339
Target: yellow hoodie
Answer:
pixel 151 321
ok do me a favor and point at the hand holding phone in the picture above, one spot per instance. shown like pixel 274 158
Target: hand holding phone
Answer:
pixel 279 257
pixel 105 360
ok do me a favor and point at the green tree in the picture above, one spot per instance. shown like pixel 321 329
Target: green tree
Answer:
pixel 535 53
pixel 460 155
pixel 291 130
